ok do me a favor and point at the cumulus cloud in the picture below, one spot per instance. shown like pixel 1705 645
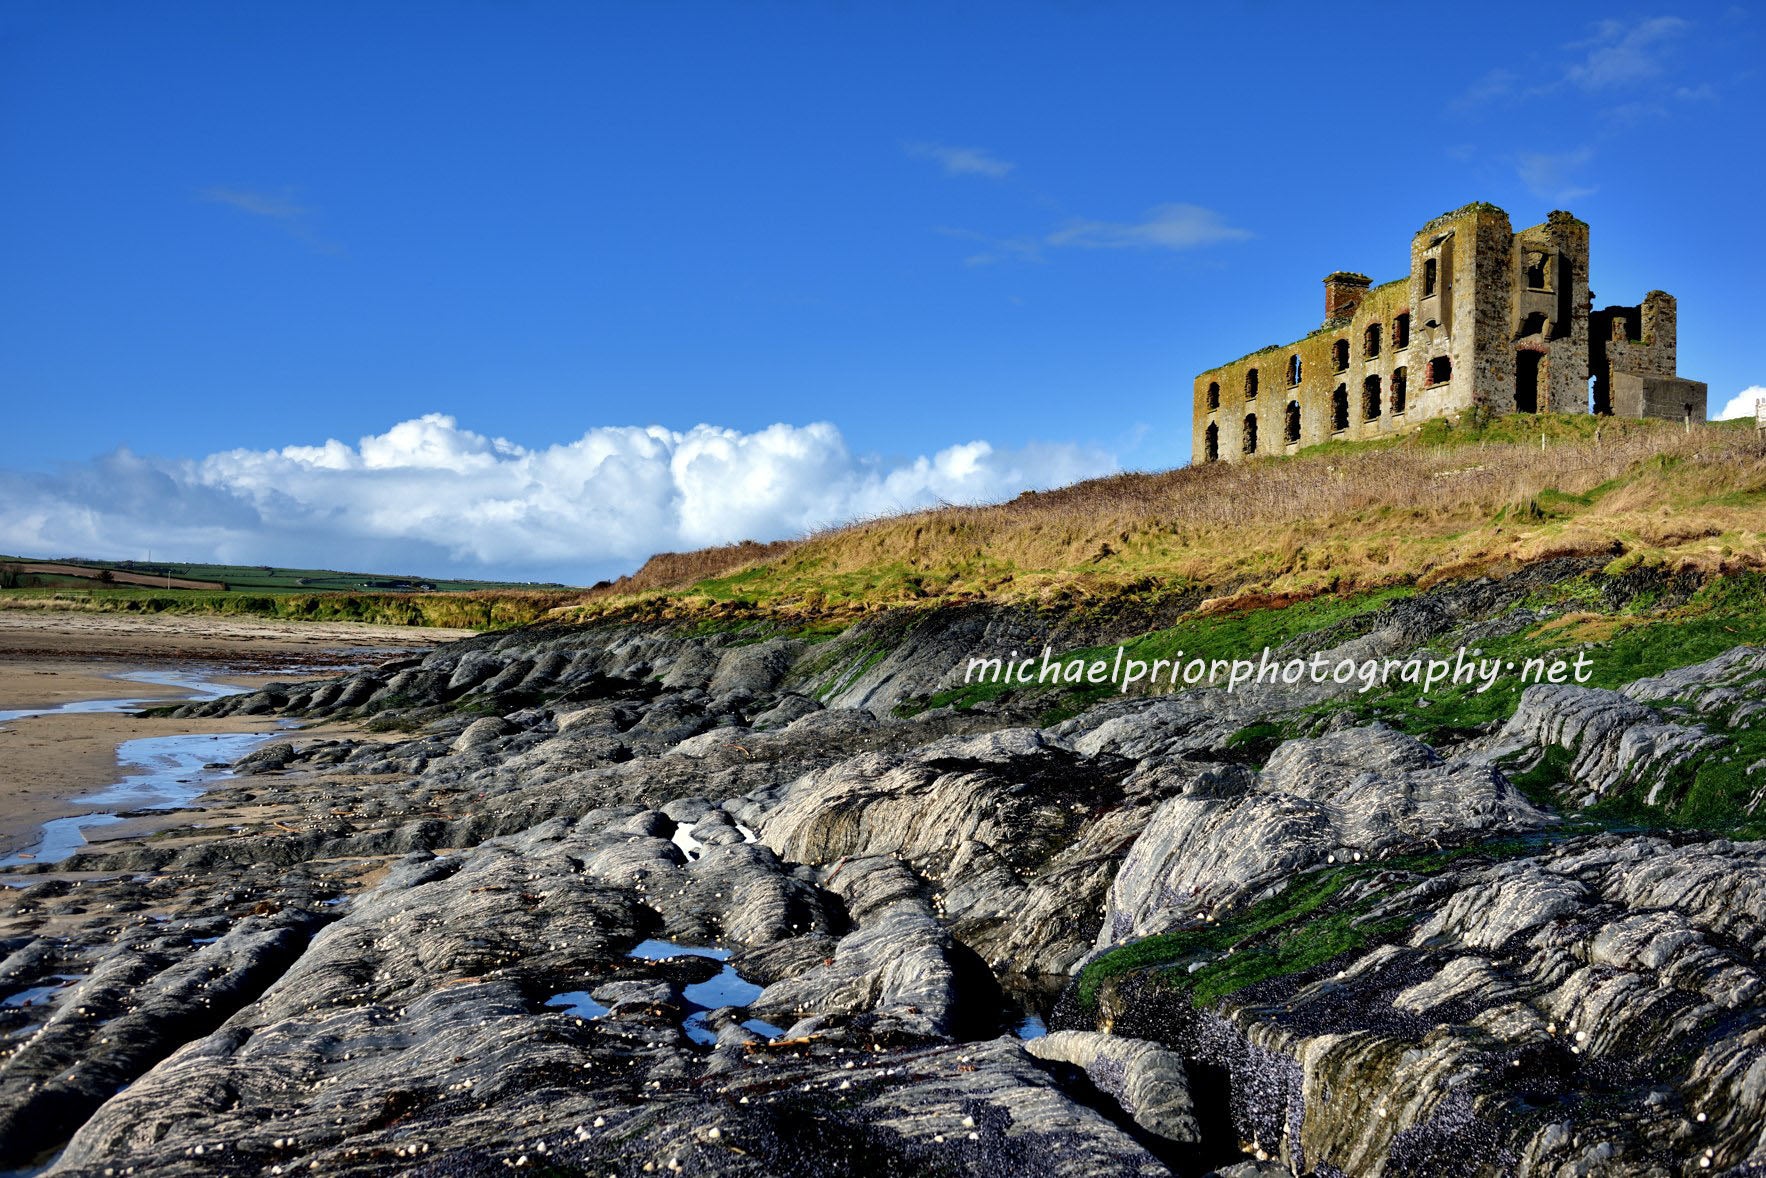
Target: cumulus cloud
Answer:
pixel 429 496
pixel 962 161
pixel 1742 404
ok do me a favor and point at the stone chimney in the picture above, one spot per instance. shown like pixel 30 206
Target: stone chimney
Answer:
pixel 1343 293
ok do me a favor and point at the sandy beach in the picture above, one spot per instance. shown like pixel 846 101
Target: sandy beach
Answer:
pixel 52 659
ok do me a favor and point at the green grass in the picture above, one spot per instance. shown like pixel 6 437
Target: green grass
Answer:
pixel 1306 924
pixel 284 594
pixel 1634 641
pixel 466 611
pixel 1540 783
pixel 1325 913
pixel 1638 639
pixel 1239 635
pixel 272 579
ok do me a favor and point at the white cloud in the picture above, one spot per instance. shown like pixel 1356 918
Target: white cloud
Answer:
pixel 996 249
pixel 1170 226
pixel 1742 404
pixel 1624 53
pixel 1552 176
pixel 281 209
pixel 430 497
pixel 1493 85
pixel 962 161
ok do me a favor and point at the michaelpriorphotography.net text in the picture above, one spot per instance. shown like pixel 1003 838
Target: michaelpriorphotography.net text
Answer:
pixel 1127 674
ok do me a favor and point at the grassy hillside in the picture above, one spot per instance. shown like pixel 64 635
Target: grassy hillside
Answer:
pixel 1334 521
pixel 1450 500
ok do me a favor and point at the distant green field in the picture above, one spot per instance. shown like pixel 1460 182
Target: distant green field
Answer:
pixel 256 578
pixel 315 595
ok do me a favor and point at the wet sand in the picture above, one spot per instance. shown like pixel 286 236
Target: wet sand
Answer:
pixel 50 660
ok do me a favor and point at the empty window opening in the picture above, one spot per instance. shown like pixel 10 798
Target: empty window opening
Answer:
pixel 1401 331
pixel 1340 352
pixel 1250 384
pixel 1431 269
pixel 1440 370
pixel 1291 430
pixel 1527 381
pixel 1250 446
pixel 1370 399
pixel 1400 378
pixel 1538 269
pixel 1598 400
pixel 1213 395
pixel 1294 369
pixel 1533 324
pixel 1211 444
pixel 1340 408
pixel 1370 340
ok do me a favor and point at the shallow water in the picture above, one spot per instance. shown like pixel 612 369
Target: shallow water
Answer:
pixel 727 988
pixel 41 995
pixel 579 1003
pixel 172 770
pixel 191 681
pixel 692 848
pixel 683 838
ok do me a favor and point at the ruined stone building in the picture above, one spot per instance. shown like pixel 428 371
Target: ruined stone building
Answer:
pixel 1486 317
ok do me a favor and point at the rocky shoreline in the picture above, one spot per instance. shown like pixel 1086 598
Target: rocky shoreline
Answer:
pixel 1336 950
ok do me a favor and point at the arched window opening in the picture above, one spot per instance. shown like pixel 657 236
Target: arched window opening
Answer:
pixel 1399 379
pixel 1250 433
pixel 1431 272
pixel 1294 369
pixel 1340 350
pixel 1401 331
pixel 1213 395
pixel 1250 384
pixel 1211 443
pixel 1370 340
pixel 1340 408
pixel 1370 399
pixel 1291 431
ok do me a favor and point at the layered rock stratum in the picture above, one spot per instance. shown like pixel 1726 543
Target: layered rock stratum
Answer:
pixel 634 899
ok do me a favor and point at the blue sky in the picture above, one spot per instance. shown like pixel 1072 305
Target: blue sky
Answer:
pixel 525 289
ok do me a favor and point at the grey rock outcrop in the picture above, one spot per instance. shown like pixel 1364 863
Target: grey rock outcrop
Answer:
pixel 1150 1081
pixel 1342 798
pixel 626 899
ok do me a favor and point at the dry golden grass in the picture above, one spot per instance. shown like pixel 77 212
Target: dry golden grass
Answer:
pixel 671 570
pixel 1443 503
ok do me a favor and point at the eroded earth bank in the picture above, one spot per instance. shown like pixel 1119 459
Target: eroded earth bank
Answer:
pixel 633 899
